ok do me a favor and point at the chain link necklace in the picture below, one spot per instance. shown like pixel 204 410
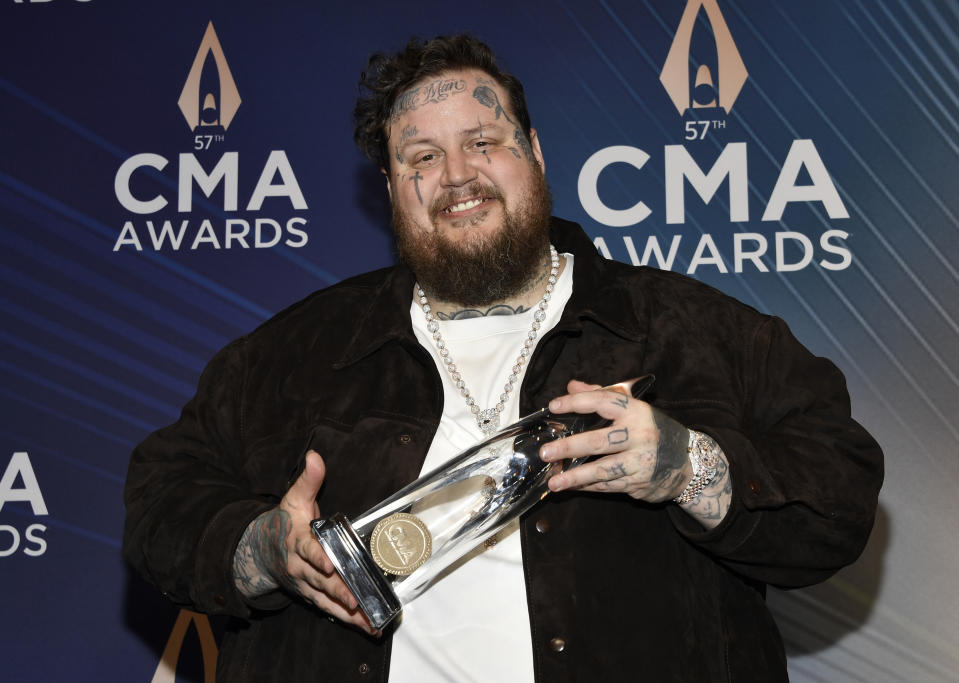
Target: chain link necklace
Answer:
pixel 488 420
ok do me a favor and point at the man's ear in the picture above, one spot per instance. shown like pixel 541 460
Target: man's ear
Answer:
pixel 389 185
pixel 537 152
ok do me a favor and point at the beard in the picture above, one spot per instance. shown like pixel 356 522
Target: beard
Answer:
pixel 484 268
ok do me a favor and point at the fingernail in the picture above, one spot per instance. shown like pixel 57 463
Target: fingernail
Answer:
pixel 545 453
pixel 555 404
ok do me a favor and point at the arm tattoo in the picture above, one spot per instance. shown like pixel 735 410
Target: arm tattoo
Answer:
pixel 261 554
pixel 713 503
pixel 617 437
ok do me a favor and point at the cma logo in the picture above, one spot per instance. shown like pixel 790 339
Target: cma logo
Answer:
pixel 790 250
pixel 11 539
pixel 209 99
pixel 730 166
pixel 276 180
pixel 675 75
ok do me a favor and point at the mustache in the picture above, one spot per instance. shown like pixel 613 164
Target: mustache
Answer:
pixel 475 190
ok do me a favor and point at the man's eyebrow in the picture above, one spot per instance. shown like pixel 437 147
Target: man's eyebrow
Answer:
pixel 475 130
pixel 414 140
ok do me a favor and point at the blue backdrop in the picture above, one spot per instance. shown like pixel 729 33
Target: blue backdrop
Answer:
pixel 799 156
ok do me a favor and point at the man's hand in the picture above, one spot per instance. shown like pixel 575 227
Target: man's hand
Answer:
pixel 279 550
pixel 643 451
pixel 643 454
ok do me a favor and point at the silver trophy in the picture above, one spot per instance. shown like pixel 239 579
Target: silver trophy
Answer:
pixel 391 553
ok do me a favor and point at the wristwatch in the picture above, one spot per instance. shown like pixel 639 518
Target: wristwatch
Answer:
pixel 703 457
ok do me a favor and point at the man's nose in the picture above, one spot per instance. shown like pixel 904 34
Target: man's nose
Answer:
pixel 458 169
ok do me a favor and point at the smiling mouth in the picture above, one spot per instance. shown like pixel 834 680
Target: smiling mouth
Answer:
pixel 463 207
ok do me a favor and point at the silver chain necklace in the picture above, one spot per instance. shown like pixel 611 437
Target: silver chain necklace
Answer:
pixel 488 420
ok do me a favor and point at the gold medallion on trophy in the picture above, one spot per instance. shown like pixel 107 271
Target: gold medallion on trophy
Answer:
pixel 400 543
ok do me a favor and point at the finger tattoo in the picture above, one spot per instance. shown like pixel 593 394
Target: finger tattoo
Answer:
pixel 617 437
pixel 616 471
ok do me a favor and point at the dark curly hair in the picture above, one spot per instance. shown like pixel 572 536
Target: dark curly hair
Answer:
pixel 388 76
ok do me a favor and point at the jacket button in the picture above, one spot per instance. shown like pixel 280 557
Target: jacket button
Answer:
pixel 542 525
pixel 557 644
pixel 755 487
pixel 219 599
pixel 405 439
pixel 364 668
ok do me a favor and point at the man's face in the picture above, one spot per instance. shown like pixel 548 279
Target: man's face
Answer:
pixel 467 188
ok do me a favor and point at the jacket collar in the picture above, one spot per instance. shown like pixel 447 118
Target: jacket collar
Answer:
pixel 602 292
pixel 598 295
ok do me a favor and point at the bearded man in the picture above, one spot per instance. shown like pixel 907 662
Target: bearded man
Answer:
pixel 743 468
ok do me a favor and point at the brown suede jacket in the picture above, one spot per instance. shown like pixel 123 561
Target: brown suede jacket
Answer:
pixel 617 589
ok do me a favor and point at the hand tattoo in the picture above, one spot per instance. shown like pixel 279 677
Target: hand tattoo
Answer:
pixel 671 456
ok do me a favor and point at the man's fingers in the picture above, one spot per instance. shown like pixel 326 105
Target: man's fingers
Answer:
pixel 310 549
pixel 604 402
pixel 336 610
pixel 304 490
pixel 605 474
pixel 575 386
pixel 308 579
pixel 613 439
pixel 334 587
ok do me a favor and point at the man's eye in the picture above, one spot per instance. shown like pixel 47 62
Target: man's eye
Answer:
pixel 426 159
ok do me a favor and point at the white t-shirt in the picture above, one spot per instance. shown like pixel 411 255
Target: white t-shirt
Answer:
pixel 473 623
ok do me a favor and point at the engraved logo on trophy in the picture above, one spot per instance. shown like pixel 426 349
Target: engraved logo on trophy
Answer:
pixel 400 544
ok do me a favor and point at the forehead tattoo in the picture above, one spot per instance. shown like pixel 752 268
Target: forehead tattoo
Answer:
pixel 435 91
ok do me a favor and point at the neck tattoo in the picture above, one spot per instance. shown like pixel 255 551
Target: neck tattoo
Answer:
pixel 488 420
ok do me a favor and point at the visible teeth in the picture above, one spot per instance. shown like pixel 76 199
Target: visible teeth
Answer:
pixel 463 206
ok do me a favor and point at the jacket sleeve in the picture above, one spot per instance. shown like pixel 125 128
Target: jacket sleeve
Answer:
pixel 187 500
pixel 805 475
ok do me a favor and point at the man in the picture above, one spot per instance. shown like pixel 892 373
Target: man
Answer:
pixel 649 562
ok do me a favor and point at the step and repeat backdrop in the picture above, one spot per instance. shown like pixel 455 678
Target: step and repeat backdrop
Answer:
pixel 173 172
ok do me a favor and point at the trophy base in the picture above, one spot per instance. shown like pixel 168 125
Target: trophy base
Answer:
pixel 365 580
